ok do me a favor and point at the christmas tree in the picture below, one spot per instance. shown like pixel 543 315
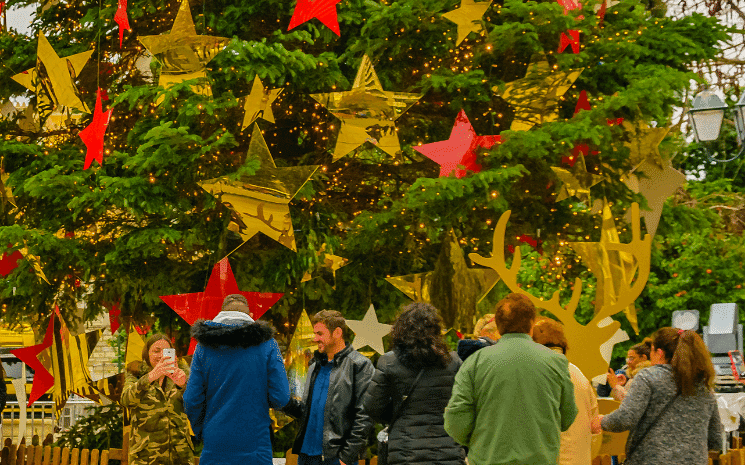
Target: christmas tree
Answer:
pixel 291 137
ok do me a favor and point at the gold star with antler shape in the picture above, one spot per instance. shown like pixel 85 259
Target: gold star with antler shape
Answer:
pixel 261 203
pixel 259 103
pixel 367 112
pixel 452 287
pixel 468 17
pixel 53 79
pixel 535 98
pixel 644 143
pixel 182 53
pixel 615 270
pixel 577 181
pixel 657 186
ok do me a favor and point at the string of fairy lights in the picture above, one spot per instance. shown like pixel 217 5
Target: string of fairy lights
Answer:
pixel 315 124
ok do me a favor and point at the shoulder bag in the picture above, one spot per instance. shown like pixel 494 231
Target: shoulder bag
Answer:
pixel 383 435
pixel 641 438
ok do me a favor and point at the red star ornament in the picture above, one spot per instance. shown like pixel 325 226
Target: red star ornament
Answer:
pixel 322 10
pixel 114 319
pixel 93 134
pixel 43 380
pixel 583 103
pixel 206 305
pixel 8 263
pixel 567 40
pixel 458 153
pixel 122 20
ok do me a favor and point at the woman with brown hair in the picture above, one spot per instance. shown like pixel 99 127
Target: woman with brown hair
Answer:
pixel 670 409
pixel 637 358
pixel 153 394
pixel 421 370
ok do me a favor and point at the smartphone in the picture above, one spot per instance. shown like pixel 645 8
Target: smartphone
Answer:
pixel 170 354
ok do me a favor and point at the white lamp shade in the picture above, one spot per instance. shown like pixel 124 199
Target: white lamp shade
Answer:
pixel 707 112
pixel 707 124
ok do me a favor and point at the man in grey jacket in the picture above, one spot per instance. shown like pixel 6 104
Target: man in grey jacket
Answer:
pixel 333 425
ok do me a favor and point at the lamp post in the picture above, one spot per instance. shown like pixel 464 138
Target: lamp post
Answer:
pixel 706 115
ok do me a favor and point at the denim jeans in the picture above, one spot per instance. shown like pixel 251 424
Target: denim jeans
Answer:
pixel 303 459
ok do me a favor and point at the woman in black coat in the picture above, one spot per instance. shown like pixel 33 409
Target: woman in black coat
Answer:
pixel 418 435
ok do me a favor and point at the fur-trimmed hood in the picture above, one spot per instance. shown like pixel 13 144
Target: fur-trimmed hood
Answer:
pixel 244 335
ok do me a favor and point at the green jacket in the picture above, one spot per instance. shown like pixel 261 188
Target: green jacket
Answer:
pixel 160 431
pixel 510 403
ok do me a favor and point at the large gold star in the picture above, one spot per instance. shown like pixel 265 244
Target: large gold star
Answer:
pixel 452 287
pixel 367 112
pixel 182 53
pixel 657 186
pixel 53 79
pixel 261 203
pixel 468 17
pixel 535 98
pixel 644 143
pixel 613 269
pixel 259 103
pixel 577 181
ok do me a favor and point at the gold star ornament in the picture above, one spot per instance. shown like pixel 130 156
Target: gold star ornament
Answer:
pixel 182 53
pixel 369 332
pixel 577 181
pixel 452 287
pixel 657 186
pixel 261 202
pixel 468 18
pixel 53 79
pixel 259 103
pixel 367 113
pixel 644 143
pixel 536 97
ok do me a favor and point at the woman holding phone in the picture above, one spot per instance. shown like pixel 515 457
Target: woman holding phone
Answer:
pixel 153 395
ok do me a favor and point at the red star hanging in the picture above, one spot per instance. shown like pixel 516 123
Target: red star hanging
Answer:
pixel 8 263
pixel 583 103
pixel 459 152
pixel 206 305
pixel 93 134
pixel 571 39
pixel 114 319
pixel 43 380
pixel 322 10
pixel 122 20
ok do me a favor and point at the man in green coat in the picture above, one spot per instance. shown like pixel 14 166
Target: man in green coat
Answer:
pixel 511 401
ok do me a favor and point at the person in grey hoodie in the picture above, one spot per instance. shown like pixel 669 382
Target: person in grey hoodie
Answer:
pixel 682 376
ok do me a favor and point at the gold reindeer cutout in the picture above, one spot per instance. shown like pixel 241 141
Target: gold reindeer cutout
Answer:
pixel 584 340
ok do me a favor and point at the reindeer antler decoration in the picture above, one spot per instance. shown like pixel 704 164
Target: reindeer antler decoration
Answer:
pixel 584 340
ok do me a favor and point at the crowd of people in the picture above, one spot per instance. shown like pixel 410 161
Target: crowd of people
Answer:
pixel 509 397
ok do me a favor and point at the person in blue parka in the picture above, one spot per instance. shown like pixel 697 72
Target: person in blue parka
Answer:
pixel 237 373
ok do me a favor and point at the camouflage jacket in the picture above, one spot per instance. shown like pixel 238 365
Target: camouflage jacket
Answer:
pixel 160 431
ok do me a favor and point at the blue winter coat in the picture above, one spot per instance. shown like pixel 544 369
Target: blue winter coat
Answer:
pixel 237 373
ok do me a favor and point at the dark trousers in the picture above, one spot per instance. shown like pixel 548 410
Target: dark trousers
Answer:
pixel 303 459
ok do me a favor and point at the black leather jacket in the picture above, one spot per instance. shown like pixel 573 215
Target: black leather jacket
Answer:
pixel 345 424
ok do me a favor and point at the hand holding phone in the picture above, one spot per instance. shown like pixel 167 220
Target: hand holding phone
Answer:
pixel 171 355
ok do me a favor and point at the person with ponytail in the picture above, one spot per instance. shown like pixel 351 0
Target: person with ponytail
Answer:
pixel 670 410
pixel 637 359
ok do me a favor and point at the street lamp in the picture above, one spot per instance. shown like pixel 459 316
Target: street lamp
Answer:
pixel 740 119
pixel 706 115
